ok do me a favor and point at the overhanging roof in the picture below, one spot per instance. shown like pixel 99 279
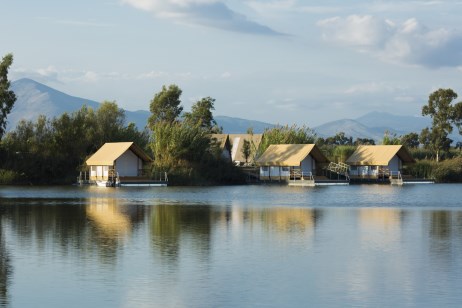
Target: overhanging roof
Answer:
pixel 378 155
pixel 111 151
pixel 290 155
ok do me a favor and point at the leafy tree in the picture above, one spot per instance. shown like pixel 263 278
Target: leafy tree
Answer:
pixel 390 139
pixel 434 141
pixel 165 106
pixel 410 140
pixel 201 114
pixel 339 139
pixel 7 97
pixel 246 150
pixel 364 141
pixel 286 135
pixel 444 115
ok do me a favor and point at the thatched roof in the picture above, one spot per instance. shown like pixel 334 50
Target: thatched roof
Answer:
pixel 378 155
pixel 237 142
pixel 111 151
pixel 290 155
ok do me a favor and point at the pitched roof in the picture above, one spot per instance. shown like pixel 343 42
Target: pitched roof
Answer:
pixel 237 142
pixel 221 139
pixel 290 155
pixel 378 155
pixel 111 151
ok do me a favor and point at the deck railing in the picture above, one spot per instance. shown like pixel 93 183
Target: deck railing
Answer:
pixel 300 175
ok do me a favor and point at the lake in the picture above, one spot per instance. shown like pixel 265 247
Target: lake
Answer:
pixel 234 246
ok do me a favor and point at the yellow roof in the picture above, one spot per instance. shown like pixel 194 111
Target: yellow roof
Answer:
pixel 289 155
pixel 237 141
pixel 378 155
pixel 221 139
pixel 111 151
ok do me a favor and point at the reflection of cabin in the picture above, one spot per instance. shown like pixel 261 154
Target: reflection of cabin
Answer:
pixel 222 141
pixel 285 162
pixel 237 146
pixel 378 161
pixel 123 161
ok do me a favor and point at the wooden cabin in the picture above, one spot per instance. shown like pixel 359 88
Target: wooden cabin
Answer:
pixel 378 161
pixel 237 146
pixel 284 162
pixel 122 160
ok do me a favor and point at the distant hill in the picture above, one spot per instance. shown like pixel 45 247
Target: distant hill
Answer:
pixel 240 126
pixel 34 99
pixel 399 123
pixel 374 124
pixel 352 128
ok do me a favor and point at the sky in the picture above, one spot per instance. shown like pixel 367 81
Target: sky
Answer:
pixel 276 61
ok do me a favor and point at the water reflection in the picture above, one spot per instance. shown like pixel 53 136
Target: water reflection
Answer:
pixel 173 226
pixel 151 251
pixel 6 270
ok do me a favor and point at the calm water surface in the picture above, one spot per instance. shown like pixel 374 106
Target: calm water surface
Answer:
pixel 244 246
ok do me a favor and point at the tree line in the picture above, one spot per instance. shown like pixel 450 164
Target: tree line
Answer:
pixel 50 150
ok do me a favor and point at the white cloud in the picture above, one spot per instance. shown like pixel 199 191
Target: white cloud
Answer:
pixel 407 43
pixel 370 88
pixel 208 13
pixel 293 6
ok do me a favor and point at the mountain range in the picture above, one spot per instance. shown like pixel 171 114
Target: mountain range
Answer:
pixel 34 98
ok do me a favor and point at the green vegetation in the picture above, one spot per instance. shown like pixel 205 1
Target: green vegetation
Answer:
pixel 184 147
pixel 286 135
pixel 54 150
pixel 7 97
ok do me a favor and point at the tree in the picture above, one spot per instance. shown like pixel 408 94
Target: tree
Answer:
pixel 364 141
pixel 444 115
pixel 286 135
pixel 410 140
pixel 390 138
pixel 246 149
pixel 165 106
pixel 7 97
pixel 201 114
pixel 339 139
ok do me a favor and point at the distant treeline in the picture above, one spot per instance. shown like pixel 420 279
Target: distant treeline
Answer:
pixel 54 151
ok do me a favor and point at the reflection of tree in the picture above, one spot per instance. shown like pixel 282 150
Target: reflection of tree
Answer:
pixel 5 270
pixel 72 225
pixel 440 224
pixel 170 224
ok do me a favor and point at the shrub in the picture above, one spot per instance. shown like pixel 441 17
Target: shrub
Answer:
pixel 8 177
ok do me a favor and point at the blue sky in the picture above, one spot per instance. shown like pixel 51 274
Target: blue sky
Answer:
pixel 281 61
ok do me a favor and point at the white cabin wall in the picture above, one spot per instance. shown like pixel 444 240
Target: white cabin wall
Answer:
pixel 308 165
pixel 127 164
pixel 394 164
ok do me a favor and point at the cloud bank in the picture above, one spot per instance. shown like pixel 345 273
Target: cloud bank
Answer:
pixel 408 42
pixel 208 13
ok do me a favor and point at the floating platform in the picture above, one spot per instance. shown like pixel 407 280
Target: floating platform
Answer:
pixel 319 182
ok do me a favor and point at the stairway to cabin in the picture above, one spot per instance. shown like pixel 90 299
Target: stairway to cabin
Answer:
pixel 341 169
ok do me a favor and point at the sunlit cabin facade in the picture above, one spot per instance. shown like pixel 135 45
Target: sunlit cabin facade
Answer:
pixel 375 161
pixel 121 159
pixel 237 147
pixel 283 162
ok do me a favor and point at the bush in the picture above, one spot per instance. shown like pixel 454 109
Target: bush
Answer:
pixel 449 171
pixel 421 169
pixel 8 177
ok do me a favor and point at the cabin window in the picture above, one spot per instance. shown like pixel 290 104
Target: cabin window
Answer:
pixel 285 169
pixel 265 168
